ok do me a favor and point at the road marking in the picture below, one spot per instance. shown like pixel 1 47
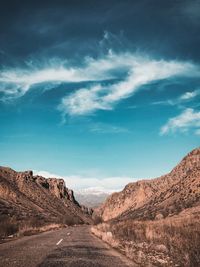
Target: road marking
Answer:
pixel 59 242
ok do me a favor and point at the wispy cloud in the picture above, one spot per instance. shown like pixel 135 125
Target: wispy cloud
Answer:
pixel 17 82
pixel 189 119
pixel 189 95
pixel 140 71
pixel 107 128
pixel 128 72
pixel 184 98
pixel 167 102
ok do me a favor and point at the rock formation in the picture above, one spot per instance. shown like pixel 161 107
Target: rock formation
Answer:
pixel 163 196
pixel 27 197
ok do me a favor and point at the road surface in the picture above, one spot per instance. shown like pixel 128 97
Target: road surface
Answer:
pixel 68 247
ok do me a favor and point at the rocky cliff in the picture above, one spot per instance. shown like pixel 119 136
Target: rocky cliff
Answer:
pixel 156 222
pixel 27 197
pixel 163 196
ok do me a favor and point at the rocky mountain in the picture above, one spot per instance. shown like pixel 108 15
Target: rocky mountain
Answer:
pixel 91 197
pixel 24 197
pixel 156 222
pixel 159 197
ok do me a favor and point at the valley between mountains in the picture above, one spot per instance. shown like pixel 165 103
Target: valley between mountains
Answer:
pixel 151 222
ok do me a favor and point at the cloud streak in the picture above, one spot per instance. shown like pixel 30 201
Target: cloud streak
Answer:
pixel 16 82
pixel 114 76
pixel 104 128
pixel 184 98
pixel 190 95
pixel 141 71
pixel 189 119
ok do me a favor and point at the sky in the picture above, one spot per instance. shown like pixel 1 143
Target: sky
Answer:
pixel 101 93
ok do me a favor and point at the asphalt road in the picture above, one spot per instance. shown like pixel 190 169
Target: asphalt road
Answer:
pixel 69 247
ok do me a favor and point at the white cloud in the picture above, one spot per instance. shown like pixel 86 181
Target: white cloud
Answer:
pixel 96 191
pixel 167 102
pixel 140 72
pixel 83 101
pixel 133 70
pixel 189 95
pixel 18 81
pixel 188 119
pixel 76 182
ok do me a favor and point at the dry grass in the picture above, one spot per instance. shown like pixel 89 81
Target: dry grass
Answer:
pixel 10 226
pixel 26 230
pixel 172 241
pixel 72 220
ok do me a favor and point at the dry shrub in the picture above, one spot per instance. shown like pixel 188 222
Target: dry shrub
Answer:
pixel 181 236
pixel 26 231
pixel 70 220
pixel 173 241
pixel 12 226
pixel 96 219
pixel 8 226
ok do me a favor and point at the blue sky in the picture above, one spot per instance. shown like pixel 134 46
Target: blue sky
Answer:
pixel 101 94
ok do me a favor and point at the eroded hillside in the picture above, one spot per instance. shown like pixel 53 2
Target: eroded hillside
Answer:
pixel 27 199
pixel 160 197
pixel 156 222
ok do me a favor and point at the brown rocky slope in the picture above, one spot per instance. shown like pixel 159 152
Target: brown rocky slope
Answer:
pixel 156 222
pixel 27 199
pixel 159 197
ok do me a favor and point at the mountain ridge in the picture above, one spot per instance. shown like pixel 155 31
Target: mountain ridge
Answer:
pixel 138 194
pixel 156 222
pixel 25 197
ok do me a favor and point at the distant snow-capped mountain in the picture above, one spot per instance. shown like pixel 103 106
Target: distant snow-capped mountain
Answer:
pixel 92 196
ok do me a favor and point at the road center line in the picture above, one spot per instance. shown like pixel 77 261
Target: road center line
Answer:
pixel 59 242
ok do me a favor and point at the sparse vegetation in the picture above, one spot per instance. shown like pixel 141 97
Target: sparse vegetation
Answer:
pixel 172 241
pixel 8 226
pixel 11 226
pixel 72 221
pixel 31 204
pixel 97 219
